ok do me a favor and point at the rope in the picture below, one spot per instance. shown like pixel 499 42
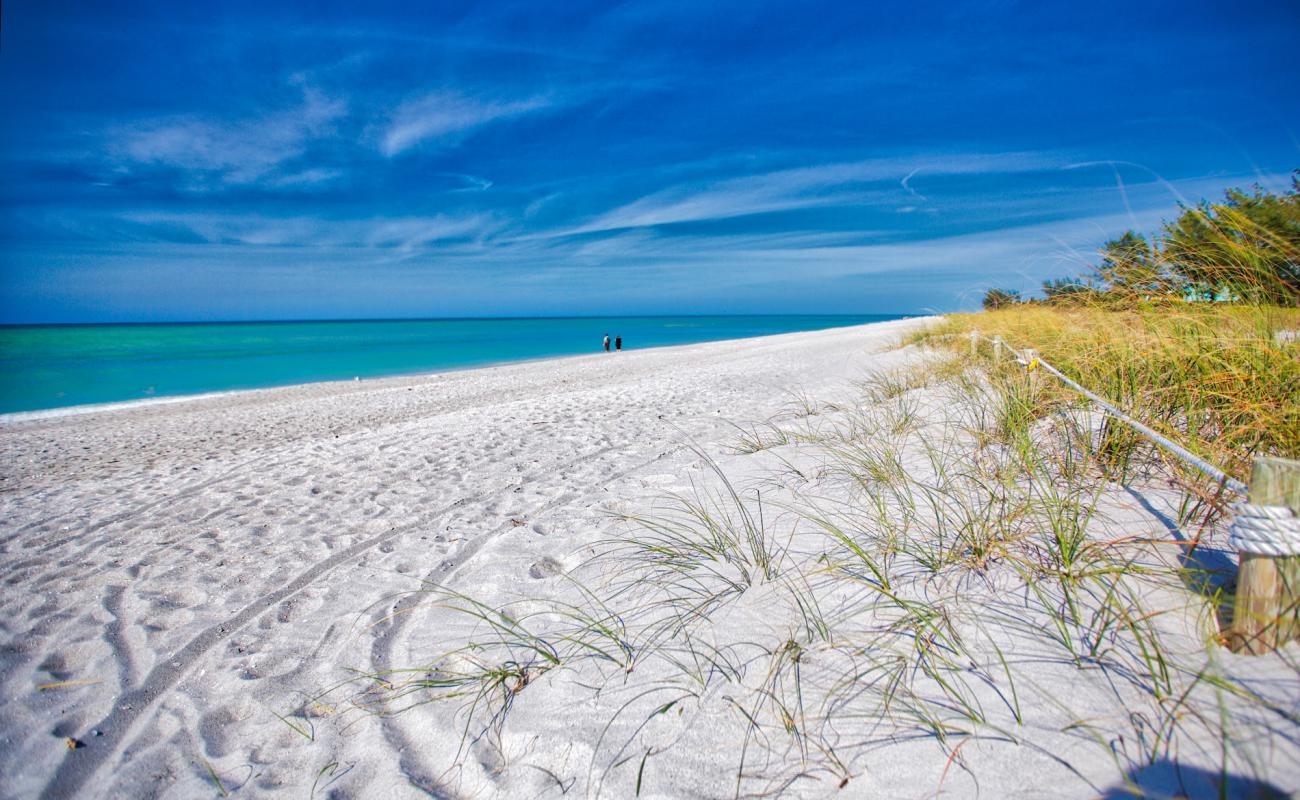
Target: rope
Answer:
pixel 1259 529
pixel 1182 452
pixel 1265 530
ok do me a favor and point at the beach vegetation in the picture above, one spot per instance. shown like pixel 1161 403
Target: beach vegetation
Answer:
pixel 931 583
pixel 1000 298
pixel 1244 249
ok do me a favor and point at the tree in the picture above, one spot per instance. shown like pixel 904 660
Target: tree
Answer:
pixel 1000 298
pixel 1247 247
pixel 1064 290
pixel 1131 270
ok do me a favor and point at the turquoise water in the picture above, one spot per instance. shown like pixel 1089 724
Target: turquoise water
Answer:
pixel 53 366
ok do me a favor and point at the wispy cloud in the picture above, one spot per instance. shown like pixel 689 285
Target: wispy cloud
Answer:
pixel 411 233
pixel 446 117
pixel 949 270
pixel 232 152
pixel 307 178
pixel 400 234
pixel 805 187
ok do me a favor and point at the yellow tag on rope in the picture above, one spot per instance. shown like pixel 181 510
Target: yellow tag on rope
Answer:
pixel 1032 365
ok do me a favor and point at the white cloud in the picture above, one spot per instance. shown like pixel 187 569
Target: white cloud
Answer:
pixel 411 233
pixel 313 176
pixel 232 152
pixel 447 116
pixel 806 187
pixel 402 234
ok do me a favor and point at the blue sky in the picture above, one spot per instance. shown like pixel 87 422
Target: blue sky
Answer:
pixel 176 161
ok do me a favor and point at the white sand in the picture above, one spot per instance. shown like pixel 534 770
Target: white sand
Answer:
pixel 195 571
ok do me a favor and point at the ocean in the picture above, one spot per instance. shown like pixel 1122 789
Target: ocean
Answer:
pixel 57 366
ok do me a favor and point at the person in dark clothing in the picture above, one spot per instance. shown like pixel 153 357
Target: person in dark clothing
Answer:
pixel 607 343
pixel 618 342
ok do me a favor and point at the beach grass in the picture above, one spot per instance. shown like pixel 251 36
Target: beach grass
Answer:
pixel 1216 377
pixel 951 555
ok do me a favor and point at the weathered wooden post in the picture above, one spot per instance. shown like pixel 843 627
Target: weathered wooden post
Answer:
pixel 997 349
pixel 1031 366
pixel 1266 610
pixel 974 343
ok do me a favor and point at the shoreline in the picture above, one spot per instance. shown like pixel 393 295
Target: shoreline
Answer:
pixel 59 412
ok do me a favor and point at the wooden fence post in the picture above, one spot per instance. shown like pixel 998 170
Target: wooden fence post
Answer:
pixel 1266 610
pixel 997 349
pixel 974 343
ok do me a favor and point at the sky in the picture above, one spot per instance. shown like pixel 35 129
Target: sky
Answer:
pixel 226 161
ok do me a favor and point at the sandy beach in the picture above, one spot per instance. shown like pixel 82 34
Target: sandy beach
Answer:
pixel 189 568
pixel 194 593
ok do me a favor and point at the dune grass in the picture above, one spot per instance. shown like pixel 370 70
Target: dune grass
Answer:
pixel 944 565
pixel 1213 376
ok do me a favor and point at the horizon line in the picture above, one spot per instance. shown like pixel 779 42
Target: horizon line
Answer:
pixel 449 319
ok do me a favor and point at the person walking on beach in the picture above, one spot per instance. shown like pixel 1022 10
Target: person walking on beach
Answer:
pixel 618 342
pixel 607 343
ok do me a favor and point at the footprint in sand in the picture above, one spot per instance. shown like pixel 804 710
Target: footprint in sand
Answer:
pixel 218 727
pixel 546 568
pixel 57 667
pixel 301 605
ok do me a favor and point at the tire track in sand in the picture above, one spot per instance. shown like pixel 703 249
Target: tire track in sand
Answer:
pixel 395 620
pixel 80 765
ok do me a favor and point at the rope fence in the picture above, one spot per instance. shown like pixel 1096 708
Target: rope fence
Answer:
pixel 1030 360
pixel 1265 529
